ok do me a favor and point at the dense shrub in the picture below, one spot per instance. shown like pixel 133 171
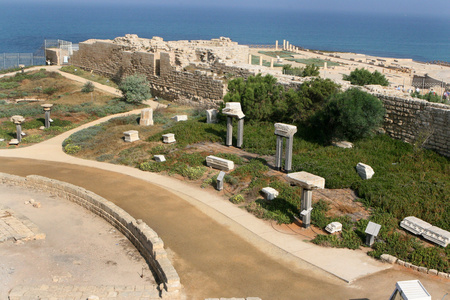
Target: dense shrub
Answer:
pixel 88 87
pixel 135 88
pixel 350 115
pixel 428 96
pixel 262 99
pixel 363 77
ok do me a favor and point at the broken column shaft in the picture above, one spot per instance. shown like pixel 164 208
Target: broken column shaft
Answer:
pixel 47 108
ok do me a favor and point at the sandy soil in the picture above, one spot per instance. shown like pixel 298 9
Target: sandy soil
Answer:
pixel 79 249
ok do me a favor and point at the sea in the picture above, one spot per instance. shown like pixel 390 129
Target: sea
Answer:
pixel 25 26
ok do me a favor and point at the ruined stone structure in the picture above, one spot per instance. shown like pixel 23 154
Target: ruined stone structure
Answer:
pixel 171 67
pixel 194 72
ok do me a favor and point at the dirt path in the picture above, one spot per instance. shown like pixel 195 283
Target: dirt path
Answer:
pixel 211 260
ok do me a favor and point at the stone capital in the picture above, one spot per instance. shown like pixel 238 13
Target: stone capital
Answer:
pixel 17 120
pixel 233 109
pixel 285 130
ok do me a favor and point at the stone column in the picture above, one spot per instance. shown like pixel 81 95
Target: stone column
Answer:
pixel 284 44
pixel 307 182
pixel 240 133
pixel 47 108
pixel 271 63
pixel 249 59
pixel 276 45
pixel 287 45
pixel 279 152
pixel 288 158
pixel 18 120
pixel 229 140
pixel 260 61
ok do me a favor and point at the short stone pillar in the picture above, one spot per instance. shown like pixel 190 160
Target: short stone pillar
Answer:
pixel 131 136
pixel 260 61
pixel 220 179
pixel 249 59
pixel 284 131
pixel 169 138
pixel 146 117
pixel 308 182
pixel 276 45
pixel 269 193
pixel 211 116
pixel 372 230
pixel 233 110
pixel 271 63
pixel 18 120
pixel 47 108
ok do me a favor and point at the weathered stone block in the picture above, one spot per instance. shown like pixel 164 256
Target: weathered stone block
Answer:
pixel 433 272
pixel 388 258
pixel 211 116
pixel 233 109
pixel 146 117
pixel 437 235
pixel 159 158
pixel 270 193
pixel 334 227
pixel 131 136
pixel 219 163
pixel 364 171
pixel 169 138
pixel 307 180
pixel 285 130
pixel 179 118
pixel 415 225
pixel 343 144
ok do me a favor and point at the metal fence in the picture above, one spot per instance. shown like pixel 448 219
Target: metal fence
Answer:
pixel 13 60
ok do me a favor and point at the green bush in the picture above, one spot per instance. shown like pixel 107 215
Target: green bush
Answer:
pixel 135 88
pixel 351 115
pixel 236 199
pixel 88 87
pixel 363 77
pixel 71 149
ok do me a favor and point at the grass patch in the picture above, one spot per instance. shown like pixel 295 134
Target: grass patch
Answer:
pixel 313 61
pixel 89 75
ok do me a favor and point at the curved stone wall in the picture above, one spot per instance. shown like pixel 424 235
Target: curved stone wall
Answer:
pixel 140 234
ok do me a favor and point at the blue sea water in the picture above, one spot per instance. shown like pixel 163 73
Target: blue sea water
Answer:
pixel 23 28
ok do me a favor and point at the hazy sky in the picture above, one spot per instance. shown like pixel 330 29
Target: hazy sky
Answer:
pixel 403 7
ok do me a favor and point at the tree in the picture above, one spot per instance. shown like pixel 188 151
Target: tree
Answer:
pixel 350 115
pixel 362 77
pixel 135 88
pixel 87 87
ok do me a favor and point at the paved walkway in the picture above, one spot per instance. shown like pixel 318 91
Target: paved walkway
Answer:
pixel 219 249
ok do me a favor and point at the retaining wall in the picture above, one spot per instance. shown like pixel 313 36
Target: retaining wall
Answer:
pixel 140 234
pixel 418 121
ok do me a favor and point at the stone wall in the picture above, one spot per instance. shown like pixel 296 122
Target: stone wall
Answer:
pixel 143 237
pixel 414 120
pixel 112 60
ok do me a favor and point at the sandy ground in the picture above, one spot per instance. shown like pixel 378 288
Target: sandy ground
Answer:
pixel 79 249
